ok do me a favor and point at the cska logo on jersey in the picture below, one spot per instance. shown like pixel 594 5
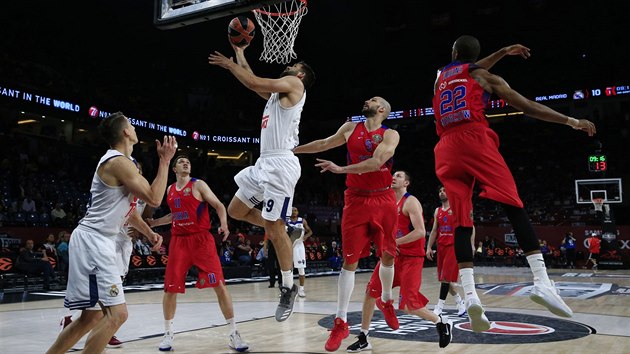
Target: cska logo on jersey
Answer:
pixel 265 120
pixel 186 192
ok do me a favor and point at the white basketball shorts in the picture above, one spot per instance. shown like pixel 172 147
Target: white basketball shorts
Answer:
pixel 94 272
pixel 272 181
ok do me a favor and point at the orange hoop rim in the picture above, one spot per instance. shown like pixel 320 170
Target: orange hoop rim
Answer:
pixel 279 14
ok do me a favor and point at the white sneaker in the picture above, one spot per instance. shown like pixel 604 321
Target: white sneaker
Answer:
pixel 548 296
pixel 301 293
pixel 166 345
pixel 461 309
pixel 437 310
pixel 237 343
pixel 478 320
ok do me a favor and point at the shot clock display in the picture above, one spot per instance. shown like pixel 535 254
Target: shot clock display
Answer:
pixel 597 163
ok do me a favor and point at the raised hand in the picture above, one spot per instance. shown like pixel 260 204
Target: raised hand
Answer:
pixel 518 49
pixel 166 150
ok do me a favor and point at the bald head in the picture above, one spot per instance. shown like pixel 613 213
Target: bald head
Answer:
pixel 466 49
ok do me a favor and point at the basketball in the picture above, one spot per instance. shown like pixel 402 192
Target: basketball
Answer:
pixel 241 31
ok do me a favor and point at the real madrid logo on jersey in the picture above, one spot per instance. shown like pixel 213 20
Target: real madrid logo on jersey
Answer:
pixel 186 191
pixel 114 291
pixel 377 138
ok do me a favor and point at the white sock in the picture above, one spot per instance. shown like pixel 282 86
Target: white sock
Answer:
pixel 232 324
pixel 439 319
pixel 287 278
pixel 440 303
pixel 345 285
pixel 365 331
pixel 168 327
pixel 537 265
pixel 468 282
pixel 301 288
pixel 458 299
pixel 387 279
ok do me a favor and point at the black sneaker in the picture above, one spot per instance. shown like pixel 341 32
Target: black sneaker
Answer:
pixel 445 333
pixel 360 345
pixel 287 298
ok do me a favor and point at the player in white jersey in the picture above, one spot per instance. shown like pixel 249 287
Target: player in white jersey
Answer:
pixel 94 276
pixel 299 231
pixel 272 179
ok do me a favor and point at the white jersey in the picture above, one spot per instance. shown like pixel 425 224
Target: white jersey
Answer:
pixel 109 206
pixel 125 232
pixel 296 225
pixel 280 126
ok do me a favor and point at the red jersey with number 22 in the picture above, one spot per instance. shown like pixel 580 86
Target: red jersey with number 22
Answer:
pixel 361 145
pixel 458 99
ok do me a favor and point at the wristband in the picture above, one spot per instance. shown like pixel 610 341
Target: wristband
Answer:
pixel 573 123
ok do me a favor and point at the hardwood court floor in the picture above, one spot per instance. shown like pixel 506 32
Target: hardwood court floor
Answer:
pixel 597 299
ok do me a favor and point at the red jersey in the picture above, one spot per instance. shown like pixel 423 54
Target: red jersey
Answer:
pixel 594 244
pixel 361 145
pixel 190 216
pixel 412 249
pixel 458 99
pixel 445 234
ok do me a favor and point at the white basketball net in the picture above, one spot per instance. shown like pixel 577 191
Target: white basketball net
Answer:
pixel 279 24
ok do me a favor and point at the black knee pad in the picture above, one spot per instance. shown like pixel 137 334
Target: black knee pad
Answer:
pixel 463 248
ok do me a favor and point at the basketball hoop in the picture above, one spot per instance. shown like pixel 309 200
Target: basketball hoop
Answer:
pixel 598 203
pixel 279 24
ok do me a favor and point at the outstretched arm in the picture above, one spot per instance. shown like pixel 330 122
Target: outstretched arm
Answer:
pixel 239 52
pixel 135 220
pixel 384 151
pixel 262 86
pixel 333 141
pixel 514 49
pixel 495 84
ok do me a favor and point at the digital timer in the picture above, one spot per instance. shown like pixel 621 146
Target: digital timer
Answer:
pixel 597 163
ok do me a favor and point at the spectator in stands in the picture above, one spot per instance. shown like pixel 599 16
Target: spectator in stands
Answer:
pixel 31 262
pixel 480 253
pixel 58 215
pixel 226 254
pixel 488 242
pixel 142 246
pixel 568 244
pixel 62 252
pixel 242 250
pixel 49 247
pixel 546 252
pixel 334 256
pixel 28 205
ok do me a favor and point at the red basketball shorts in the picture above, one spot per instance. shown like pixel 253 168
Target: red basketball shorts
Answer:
pixel 366 218
pixel 469 154
pixel 184 252
pixel 447 268
pixel 407 275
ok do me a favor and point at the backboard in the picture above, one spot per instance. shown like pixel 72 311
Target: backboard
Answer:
pixel 608 189
pixel 170 14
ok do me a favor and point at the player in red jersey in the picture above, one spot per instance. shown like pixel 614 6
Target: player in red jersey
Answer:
pixel 594 244
pixel 193 244
pixel 467 153
pixel 410 237
pixel 369 213
pixel 447 269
